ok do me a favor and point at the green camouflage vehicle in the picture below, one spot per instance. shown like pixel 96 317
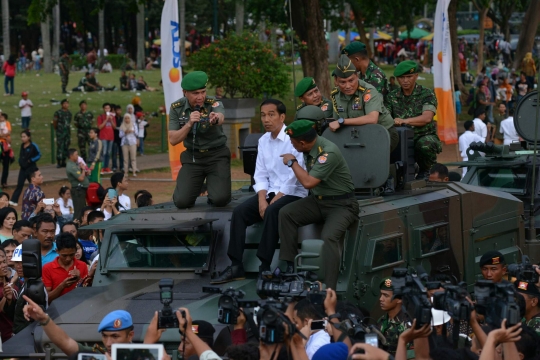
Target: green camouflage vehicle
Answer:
pixel 445 227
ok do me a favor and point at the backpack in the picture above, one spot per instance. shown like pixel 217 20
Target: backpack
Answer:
pixel 95 194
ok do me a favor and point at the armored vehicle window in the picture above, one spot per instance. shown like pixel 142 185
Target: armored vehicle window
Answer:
pixel 387 251
pixel 180 250
pixel 434 239
pixel 511 180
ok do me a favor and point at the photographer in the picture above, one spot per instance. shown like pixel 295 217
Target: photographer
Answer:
pixel 304 315
pixel 531 294
pixel 334 318
pixel 202 349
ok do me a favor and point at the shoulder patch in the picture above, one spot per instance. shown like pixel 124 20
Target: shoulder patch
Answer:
pixel 367 97
pixel 215 104
pixel 324 107
pixel 322 159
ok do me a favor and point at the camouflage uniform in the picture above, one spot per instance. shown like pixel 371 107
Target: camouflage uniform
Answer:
pixel 392 329
pixel 376 77
pixel 534 323
pixel 63 134
pixel 326 107
pixel 83 123
pixel 426 141
pixel 64 74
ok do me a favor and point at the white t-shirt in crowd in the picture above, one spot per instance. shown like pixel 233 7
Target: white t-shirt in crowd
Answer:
pixel 465 141
pixel 66 209
pixel 25 106
pixel 315 341
pixel 480 128
pixel 508 130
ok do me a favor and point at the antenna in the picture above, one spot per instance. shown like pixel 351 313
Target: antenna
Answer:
pixel 532 225
pixel 292 49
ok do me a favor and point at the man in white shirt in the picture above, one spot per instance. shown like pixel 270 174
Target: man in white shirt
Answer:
pixel 508 129
pixel 119 182
pixel 26 106
pixel 480 127
pixel 305 314
pixel 465 140
pixel 275 185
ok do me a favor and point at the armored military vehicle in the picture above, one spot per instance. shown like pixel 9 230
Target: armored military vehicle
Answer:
pixel 445 227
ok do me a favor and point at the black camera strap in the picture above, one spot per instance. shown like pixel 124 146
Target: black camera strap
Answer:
pixel 251 323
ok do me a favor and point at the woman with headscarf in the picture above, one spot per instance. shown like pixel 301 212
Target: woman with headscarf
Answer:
pixel 529 68
pixel 9 69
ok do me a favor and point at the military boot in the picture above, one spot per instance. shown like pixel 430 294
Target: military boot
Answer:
pixel 231 273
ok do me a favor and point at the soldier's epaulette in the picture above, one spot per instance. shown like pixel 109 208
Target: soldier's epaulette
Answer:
pixel 361 88
pixel 334 92
pixel 299 106
pixel 178 103
pixel 209 100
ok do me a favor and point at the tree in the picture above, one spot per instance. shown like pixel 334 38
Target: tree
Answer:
pixel 140 37
pixel 101 33
pixel 239 16
pixel 528 32
pixel 5 28
pixel 502 11
pixel 46 43
pixel 483 7
pixel 359 22
pixel 56 31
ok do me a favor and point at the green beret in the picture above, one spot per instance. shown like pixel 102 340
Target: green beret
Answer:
pixel 406 68
pixel 353 48
pixel 345 67
pixel 310 112
pixel 299 127
pixel 386 284
pixel 304 86
pixel 195 80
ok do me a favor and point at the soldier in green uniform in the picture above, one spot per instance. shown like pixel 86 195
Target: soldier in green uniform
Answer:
pixel 331 202
pixel 309 93
pixel 83 123
pixel 369 72
pixel 356 102
pixel 395 321
pixel 414 105
pixel 531 294
pixel 197 119
pixel 64 70
pixel 61 123
pixel 79 183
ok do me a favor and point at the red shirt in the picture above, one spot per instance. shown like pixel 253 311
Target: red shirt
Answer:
pixel 53 274
pixel 9 70
pixel 107 132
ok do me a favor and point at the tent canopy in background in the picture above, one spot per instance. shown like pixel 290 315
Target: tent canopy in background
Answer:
pixel 416 33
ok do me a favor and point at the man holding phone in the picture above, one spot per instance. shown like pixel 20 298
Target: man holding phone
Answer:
pixel 61 275
pixel 79 182
pixel 106 125
pixel 308 320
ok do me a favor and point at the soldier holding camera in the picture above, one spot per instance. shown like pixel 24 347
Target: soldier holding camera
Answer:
pixel 531 294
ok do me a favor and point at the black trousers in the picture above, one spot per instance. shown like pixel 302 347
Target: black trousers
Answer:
pixel 24 175
pixel 78 195
pixel 6 161
pixel 247 214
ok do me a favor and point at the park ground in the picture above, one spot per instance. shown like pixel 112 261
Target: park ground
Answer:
pixel 45 91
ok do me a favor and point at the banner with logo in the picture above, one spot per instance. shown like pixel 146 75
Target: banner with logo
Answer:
pixel 171 71
pixel 442 61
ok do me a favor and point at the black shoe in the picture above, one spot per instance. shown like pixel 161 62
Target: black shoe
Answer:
pixel 290 269
pixel 231 273
pixel 389 187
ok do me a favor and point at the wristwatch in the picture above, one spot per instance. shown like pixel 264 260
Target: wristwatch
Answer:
pixel 291 162
pixel 341 121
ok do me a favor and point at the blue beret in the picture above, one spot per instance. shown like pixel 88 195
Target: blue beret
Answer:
pixel 115 321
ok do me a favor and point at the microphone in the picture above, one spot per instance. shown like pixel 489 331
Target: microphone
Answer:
pixel 197 108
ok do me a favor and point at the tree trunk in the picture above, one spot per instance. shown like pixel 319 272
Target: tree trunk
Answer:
pixel 239 16
pixel 452 22
pixel 359 22
pixel 101 32
pixel 527 33
pixel 5 28
pixel 140 38
pixel 182 20
pixel 481 17
pixel 46 42
pixel 315 59
pixel 56 31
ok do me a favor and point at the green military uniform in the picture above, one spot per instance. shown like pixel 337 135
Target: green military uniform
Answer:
pixel 534 323
pixel 78 188
pixel 92 81
pixel 63 134
pixel 373 74
pixel 83 122
pixel 426 141
pixel 331 202
pixel 207 155
pixel 366 99
pixel 392 87
pixel 392 328
pixel 325 105
pixel 64 72
pixel 497 118
pixel 315 114
pixel 530 289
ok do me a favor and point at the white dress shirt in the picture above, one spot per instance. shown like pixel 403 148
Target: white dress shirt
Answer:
pixel 315 341
pixel 480 128
pixel 508 129
pixel 270 172
pixel 465 141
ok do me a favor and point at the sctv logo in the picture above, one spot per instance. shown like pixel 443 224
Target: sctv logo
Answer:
pixel 174 73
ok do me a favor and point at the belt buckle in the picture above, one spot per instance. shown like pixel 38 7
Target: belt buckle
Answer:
pixel 203 150
pixel 319 197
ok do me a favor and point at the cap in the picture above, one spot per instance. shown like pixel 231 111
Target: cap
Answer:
pixel 299 127
pixel 82 102
pixel 406 68
pixel 310 112
pixel 345 67
pixel 304 86
pixel 353 48
pixel 24 93
pixel 386 284
pixel 333 351
pixel 139 114
pixel 527 288
pixel 492 258
pixel 203 329
pixel 195 80
pixel 115 321
pixel 17 254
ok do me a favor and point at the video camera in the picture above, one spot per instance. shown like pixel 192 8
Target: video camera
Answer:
pixel 524 271
pixel 454 301
pixel 229 310
pixel 270 319
pixel 496 301
pixel 31 262
pixel 167 317
pixel 413 294
pixel 277 285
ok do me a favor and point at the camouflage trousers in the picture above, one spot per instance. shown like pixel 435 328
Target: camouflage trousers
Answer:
pixel 426 149
pixel 84 139
pixel 65 78
pixel 63 139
